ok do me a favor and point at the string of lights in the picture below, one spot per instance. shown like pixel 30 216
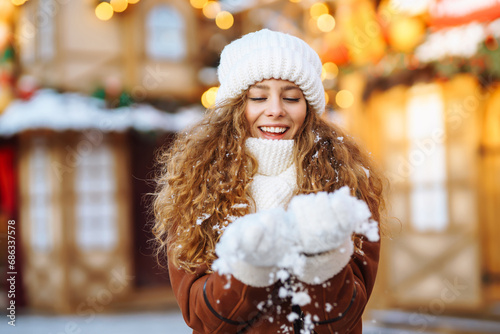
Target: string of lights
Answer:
pixel 105 9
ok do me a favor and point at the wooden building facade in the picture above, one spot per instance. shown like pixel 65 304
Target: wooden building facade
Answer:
pixel 437 143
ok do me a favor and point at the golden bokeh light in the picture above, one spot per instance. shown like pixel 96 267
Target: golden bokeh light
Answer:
pixel 295 1
pixel 318 9
pixel 132 2
pixel 198 3
pixel 344 99
pixel 406 33
pixel 327 98
pixel 211 9
pixel 119 5
pixel 208 97
pixel 104 11
pixel 330 69
pixel 326 23
pixel 224 20
pixel 18 2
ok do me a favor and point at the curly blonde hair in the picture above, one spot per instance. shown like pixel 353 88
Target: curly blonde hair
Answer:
pixel 205 176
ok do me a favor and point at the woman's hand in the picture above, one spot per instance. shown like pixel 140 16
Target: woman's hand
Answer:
pixel 259 239
pixel 324 221
pixel 264 240
pixel 324 224
pixel 313 234
pixel 252 247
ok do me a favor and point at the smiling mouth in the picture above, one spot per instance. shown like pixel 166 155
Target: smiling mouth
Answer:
pixel 273 129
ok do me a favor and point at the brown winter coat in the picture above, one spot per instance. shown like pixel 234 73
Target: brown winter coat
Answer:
pixel 210 304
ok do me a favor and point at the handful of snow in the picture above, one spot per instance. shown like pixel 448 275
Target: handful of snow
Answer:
pixel 313 223
pixel 260 239
pixel 324 220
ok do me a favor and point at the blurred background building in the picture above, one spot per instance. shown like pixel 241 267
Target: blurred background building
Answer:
pixel 89 90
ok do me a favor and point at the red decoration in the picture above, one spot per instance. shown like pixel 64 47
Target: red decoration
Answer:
pixel 447 13
pixel 491 43
pixel 26 87
pixel 339 55
pixel 7 181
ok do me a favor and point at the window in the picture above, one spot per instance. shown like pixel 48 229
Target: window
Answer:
pixel 165 34
pixel 95 200
pixel 427 156
pixel 40 193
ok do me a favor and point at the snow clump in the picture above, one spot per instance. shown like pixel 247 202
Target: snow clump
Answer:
pixel 259 239
pixel 312 224
pixel 324 220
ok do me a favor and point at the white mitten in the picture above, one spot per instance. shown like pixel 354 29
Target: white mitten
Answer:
pixel 325 220
pixel 252 246
pixel 264 240
pixel 324 223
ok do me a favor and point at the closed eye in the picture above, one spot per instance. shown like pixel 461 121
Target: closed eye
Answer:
pixel 291 100
pixel 257 98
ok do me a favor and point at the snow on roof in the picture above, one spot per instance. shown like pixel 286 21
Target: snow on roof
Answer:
pixel 459 41
pixel 48 109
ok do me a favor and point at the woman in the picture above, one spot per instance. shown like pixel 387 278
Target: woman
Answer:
pixel 242 171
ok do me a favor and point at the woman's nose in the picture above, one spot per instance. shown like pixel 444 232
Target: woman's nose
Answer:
pixel 275 108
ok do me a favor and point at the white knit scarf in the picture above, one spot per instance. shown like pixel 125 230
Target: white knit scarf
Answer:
pixel 276 179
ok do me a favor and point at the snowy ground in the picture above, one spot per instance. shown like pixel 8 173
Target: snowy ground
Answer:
pixel 171 322
pixel 126 323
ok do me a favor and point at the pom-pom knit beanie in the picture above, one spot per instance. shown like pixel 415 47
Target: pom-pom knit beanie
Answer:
pixel 267 54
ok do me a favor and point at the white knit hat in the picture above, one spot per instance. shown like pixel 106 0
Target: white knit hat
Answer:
pixel 267 54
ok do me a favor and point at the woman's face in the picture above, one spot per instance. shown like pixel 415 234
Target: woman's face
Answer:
pixel 276 109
